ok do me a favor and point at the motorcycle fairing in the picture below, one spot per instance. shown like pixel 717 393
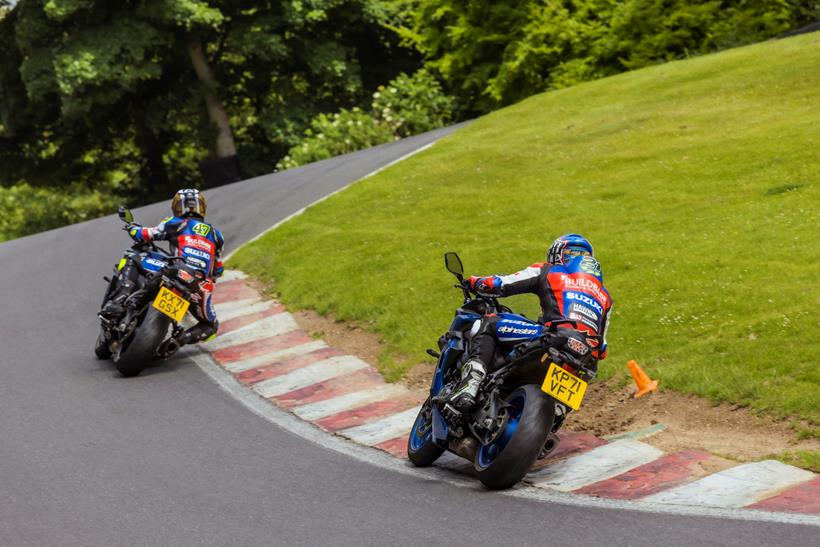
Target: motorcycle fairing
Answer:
pixel 512 327
pixel 449 356
pixel 152 262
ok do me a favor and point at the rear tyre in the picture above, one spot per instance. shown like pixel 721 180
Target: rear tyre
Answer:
pixel 101 349
pixel 422 451
pixel 503 462
pixel 143 347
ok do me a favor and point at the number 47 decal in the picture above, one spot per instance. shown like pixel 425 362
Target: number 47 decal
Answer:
pixel 201 229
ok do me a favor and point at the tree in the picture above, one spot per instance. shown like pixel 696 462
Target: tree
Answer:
pixel 131 95
pixel 493 53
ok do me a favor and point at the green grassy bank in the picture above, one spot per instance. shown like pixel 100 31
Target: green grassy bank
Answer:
pixel 697 182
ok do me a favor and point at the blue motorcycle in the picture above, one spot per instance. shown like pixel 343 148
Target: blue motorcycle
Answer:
pixel 540 375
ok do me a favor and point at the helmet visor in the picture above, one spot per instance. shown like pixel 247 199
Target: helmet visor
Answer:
pixel 573 252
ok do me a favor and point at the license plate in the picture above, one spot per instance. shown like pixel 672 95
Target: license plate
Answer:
pixel 566 387
pixel 171 304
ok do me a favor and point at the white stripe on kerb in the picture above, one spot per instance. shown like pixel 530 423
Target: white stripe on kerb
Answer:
pixel 262 360
pixel 736 486
pixel 309 375
pixel 601 463
pixel 273 325
pixel 384 429
pixel 232 275
pixel 322 409
pixel 237 308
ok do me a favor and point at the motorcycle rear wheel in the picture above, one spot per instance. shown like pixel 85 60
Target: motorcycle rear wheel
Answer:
pixel 422 451
pixel 504 462
pixel 143 346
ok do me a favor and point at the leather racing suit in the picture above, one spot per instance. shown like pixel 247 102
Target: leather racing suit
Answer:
pixel 573 292
pixel 200 244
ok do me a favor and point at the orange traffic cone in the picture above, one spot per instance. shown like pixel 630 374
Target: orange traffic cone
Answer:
pixel 644 383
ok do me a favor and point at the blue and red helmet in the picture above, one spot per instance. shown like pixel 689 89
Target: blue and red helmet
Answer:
pixel 567 247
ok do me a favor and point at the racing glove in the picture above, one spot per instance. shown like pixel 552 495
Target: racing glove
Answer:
pixel 134 230
pixel 484 285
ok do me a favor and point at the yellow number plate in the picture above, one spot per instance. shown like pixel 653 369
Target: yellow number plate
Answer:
pixel 171 304
pixel 566 387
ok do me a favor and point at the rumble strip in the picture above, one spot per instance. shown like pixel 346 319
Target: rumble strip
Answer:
pixel 260 345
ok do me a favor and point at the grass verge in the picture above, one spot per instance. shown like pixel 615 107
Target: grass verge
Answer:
pixel 697 181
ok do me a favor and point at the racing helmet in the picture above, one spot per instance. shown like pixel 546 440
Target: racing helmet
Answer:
pixel 567 247
pixel 188 202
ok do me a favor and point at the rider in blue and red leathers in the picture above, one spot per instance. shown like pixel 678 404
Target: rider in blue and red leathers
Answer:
pixel 190 237
pixel 570 287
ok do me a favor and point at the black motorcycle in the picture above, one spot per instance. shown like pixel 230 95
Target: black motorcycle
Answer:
pixel 540 375
pixel 166 286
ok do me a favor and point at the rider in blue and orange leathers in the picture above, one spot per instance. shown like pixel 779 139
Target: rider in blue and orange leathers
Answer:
pixel 190 237
pixel 570 287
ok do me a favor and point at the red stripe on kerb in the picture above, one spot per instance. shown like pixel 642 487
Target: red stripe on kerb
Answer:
pixel 803 498
pixel 341 385
pixel 665 472
pixel 396 447
pixel 261 347
pixel 572 443
pixel 236 289
pixel 282 366
pixel 369 413
pixel 238 322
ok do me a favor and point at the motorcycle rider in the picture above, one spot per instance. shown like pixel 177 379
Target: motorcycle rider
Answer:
pixel 190 237
pixel 570 287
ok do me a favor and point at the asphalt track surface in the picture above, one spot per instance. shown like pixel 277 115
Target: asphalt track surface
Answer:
pixel 169 458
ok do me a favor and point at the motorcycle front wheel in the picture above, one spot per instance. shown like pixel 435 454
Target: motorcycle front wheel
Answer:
pixel 504 461
pixel 422 451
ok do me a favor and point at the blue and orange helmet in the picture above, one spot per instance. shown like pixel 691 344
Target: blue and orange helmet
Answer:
pixel 567 247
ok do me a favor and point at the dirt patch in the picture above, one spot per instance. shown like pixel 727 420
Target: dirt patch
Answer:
pixel 691 422
pixel 729 432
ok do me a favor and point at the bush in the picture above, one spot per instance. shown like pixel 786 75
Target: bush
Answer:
pixel 406 106
pixel 333 134
pixel 410 105
pixel 26 210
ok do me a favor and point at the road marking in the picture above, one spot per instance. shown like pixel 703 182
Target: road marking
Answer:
pixel 656 476
pixel 322 409
pixel 238 308
pixel 803 498
pixel 264 328
pixel 311 374
pixel 382 430
pixel 736 486
pixel 232 275
pixel 297 426
pixel 596 465
pixel 262 360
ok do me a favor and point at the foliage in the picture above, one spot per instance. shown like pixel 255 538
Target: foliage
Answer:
pixel 406 106
pixel 410 105
pixel 493 53
pixel 24 210
pixel 334 134
pixel 90 89
pixel 685 178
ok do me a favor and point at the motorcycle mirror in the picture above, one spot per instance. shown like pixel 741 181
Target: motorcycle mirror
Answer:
pixel 453 264
pixel 125 214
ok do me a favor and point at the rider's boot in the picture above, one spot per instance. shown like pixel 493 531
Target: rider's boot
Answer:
pixel 464 397
pixel 115 307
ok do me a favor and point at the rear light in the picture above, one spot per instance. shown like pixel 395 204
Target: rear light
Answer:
pixel 185 276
